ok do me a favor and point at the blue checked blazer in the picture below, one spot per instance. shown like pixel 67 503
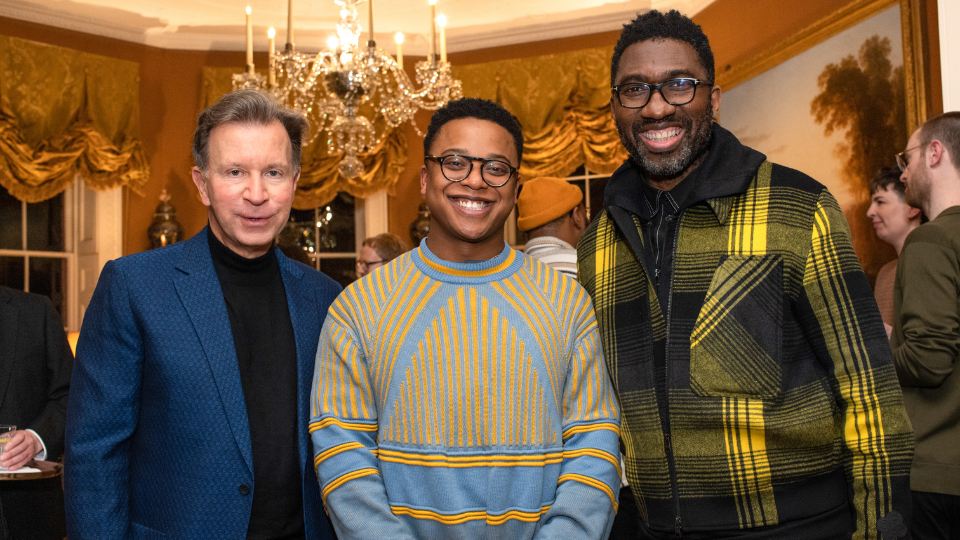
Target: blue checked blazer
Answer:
pixel 158 442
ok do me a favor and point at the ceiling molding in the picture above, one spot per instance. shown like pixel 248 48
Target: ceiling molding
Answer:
pixel 540 32
pixel 459 40
pixel 78 23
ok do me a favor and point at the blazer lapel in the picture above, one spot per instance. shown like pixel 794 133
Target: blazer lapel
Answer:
pixel 199 291
pixel 9 320
pixel 303 317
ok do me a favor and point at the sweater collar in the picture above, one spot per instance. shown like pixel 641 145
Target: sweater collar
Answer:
pixel 507 263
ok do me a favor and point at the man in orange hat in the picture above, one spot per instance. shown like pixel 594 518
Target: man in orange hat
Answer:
pixel 553 216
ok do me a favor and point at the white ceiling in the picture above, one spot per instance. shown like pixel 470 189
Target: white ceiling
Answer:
pixel 219 24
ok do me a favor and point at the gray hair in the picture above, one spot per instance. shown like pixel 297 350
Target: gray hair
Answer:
pixel 247 106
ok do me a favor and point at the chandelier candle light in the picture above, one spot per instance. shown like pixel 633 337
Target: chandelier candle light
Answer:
pixel 355 94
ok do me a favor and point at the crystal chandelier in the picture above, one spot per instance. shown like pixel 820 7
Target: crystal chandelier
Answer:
pixel 354 94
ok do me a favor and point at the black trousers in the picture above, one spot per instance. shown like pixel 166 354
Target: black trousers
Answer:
pixel 835 524
pixel 935 516
pixel 32 509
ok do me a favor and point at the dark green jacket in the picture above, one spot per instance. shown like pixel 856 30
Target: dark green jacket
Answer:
pixel 926 347
pixel 780 397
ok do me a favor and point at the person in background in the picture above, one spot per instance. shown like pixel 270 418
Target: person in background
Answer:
pixel 35 367
pixel 758 396
pixel 377 251
pixel 460 389
pixel 926 329
pixel 188 414
pixel 552 213
pixel 893 219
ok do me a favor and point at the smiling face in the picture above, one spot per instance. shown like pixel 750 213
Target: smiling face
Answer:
pixel 249 185
pixel 467 217
pixel 892 217
pixel 667 141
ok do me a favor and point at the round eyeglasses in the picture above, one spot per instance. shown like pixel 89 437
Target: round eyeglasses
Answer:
pixel 902 157
pixel 494 172
pixel 636 95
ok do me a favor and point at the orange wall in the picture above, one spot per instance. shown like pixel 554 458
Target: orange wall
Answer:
pixel 170 94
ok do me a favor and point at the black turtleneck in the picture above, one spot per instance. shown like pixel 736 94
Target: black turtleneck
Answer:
pixel 267 358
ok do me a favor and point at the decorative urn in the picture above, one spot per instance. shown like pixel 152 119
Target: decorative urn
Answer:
pixel 165 229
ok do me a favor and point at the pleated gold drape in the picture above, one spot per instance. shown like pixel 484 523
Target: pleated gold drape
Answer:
pixel 563 104
pixel 64 112
pixel 320 180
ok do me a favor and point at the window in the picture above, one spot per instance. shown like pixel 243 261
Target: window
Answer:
pixel 326 237
pixel 592 185
pixel 58 247
pixel 36 249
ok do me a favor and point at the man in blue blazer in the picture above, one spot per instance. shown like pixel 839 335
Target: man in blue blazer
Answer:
pixel 189 401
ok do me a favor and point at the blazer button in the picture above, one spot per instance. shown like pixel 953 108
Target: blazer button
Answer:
pixel 244 489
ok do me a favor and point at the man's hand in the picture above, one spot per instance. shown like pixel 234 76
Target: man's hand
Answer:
pixel 21 449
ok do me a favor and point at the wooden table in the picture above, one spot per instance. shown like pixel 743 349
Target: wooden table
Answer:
pixel 48 469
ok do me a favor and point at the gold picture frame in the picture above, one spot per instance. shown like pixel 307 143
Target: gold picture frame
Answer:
pixel 831 25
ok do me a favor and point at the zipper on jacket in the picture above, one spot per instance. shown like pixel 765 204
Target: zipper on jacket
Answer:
pixel 668 444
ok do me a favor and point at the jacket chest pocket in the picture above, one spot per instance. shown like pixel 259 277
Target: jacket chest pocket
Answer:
pixel 736 345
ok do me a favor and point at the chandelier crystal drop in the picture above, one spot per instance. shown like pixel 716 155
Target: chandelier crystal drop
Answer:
pixel 355 94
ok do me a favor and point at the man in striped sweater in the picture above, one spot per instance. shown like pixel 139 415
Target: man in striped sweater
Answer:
pixel 460 391
pixel 551 212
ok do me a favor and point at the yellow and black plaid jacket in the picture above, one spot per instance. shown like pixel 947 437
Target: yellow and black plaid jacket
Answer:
pixel 782 402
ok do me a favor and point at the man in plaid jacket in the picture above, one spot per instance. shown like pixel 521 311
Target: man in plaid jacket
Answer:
pixel 755 380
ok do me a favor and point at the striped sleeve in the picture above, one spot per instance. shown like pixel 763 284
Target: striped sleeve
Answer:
pixel 343 426
pixel 849 339
pixel 589 482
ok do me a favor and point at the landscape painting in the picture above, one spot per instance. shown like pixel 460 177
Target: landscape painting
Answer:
pixel 836 112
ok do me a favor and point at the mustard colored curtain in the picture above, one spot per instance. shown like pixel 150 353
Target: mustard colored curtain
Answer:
pixel 63 113
pixel 563 104
pixel 319 178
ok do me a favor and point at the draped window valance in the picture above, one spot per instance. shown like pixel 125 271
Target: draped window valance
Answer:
pixel 319 178
pixel 65 112
pixel 563 104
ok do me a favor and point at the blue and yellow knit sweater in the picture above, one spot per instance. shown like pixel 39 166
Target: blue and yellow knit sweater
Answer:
pixel 465 400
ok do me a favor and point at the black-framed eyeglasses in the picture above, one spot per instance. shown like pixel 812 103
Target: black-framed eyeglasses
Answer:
pixel 902 160
pixel 455 168
pixel 636 95
pixel 365 265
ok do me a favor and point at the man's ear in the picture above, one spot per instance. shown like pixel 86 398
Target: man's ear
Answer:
pixel 201 182
pixel 579 215
pixel 715 94
pixel 423 179
pixel 935 154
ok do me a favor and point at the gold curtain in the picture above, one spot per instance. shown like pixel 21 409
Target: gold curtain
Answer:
pixel 320 180
pixel 64 112
pixel 563 104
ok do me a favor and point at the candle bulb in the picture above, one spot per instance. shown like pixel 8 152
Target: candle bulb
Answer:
pixel 289 24
pixel 442 21
pixel 249 42
pixel 371 21
pixel 271 76
pixel 399 39
pixel 433 32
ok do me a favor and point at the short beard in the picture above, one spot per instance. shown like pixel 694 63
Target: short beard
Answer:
pixel 917 194
pixel 685 156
